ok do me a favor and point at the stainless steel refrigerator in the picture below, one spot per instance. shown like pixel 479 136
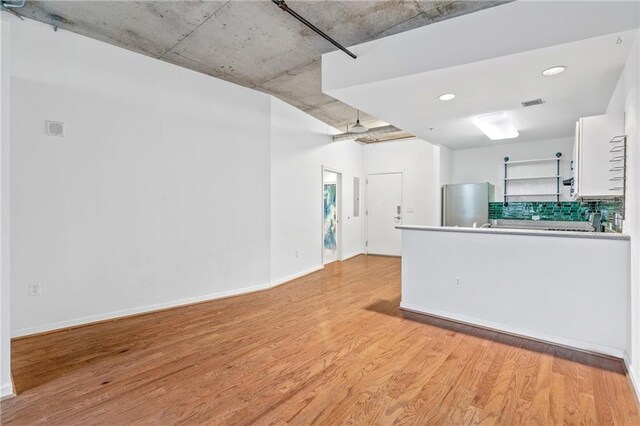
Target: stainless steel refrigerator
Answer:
pixel 466 204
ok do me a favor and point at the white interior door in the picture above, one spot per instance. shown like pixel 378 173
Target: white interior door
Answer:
pixel 384 212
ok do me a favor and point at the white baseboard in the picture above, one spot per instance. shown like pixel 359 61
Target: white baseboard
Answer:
pixel 156 307
pixel 6 390
pixel 134 311
pixel 632 376
pixel 286 279
pixel 354 254
pixel 516 331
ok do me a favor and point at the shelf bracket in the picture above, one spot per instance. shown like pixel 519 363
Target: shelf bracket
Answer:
pixel 558 155
pixel 505 202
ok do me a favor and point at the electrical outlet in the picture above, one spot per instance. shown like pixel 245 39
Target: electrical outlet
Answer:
pixel 297 253
pixel 35 289
pixel 458 281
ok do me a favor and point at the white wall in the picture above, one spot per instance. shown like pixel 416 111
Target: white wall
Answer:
pixel 415 158
pixel 626 101
pixel 487 165
pixel 300 148
pixel 158 193
pixel 6 387
pixel 443 164
pixel 523 284
pixel 162 190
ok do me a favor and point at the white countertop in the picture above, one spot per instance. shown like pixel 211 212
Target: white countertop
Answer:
pixel 505 231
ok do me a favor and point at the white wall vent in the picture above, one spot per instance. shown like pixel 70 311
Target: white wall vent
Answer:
pixel 54 128
pixel 532 103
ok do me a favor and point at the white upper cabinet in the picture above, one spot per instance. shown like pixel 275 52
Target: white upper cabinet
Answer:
pixel 591 156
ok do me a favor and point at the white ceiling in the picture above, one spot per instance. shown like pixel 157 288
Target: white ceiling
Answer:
pixel 501 84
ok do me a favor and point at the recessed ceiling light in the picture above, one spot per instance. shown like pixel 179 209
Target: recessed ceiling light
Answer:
pixel 446 97
pixel 496 126
pixel 549 72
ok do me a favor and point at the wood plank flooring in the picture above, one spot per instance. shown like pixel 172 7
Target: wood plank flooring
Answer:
pixel 329 348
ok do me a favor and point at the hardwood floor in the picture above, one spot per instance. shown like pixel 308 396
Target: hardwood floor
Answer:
pixel 332 347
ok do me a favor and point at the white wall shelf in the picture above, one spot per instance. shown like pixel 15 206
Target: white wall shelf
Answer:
pixel 537 160
pixel 533 177
pixel 556 177
pixel 554 194
pixel 618 170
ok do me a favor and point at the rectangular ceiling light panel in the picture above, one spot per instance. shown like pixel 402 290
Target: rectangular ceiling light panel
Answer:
pixel 496 126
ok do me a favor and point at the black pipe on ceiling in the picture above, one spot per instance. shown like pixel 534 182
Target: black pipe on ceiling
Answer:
pixel 282 5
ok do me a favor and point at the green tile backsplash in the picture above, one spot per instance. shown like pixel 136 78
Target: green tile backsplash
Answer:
pixel 571 211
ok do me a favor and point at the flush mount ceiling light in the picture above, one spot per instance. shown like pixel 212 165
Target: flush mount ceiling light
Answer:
pixel 446 97
pixel 496 126
pixel 550 72
pixel 358 128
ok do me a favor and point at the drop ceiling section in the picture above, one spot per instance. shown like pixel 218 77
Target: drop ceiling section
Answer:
pixel 502 84
pixel 490 84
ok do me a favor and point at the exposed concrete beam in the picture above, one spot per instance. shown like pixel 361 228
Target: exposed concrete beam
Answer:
pixel 371 133
pixel 250 43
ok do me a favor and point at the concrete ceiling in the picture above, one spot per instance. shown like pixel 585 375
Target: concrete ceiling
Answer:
pixel 251 43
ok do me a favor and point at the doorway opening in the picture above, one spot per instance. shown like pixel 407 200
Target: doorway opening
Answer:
pixel 384 213
pixel 331 207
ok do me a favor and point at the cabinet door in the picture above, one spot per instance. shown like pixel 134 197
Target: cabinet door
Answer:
pixel 594 135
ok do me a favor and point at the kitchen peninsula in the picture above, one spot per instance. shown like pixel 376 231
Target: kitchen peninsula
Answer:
pixel 568 288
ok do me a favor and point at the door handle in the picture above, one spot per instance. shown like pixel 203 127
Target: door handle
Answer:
pixel 397 217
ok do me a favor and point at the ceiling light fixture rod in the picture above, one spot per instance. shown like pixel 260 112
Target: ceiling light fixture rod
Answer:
pixel 282 5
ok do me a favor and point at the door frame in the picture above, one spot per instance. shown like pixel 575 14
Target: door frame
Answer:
pixel 338 173
pixel 366 204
